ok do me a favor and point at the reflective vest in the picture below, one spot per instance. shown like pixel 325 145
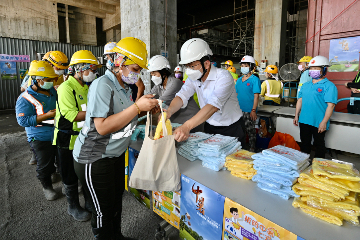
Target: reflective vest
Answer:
pixel 268 90
pixel 38 107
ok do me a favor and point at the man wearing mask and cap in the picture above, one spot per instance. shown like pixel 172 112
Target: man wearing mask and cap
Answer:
pixel 304 68
pixel 137 87
pixel 215 88
pixel 179 73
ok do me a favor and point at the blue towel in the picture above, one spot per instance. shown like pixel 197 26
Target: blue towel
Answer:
pixel 217 142
pixel 258 178
pixel 284 192
pixel 287 155
pixel 213 166
pixel 230 149
pixel 273 177
pixel 291 174
pixel 187 155
pixel 273 160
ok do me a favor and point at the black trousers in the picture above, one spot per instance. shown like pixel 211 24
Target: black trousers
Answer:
pixel 65 162
pixel 307 133
pixel 45 154
pixel 234 130
pixel 104 181
pixel 354 109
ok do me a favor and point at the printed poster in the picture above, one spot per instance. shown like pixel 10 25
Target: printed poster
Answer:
pixel 8 70
pixel 167 206
pixel 201 211
pixel 344 54
pixel 242 223
pixel 14 58
pixel 143 196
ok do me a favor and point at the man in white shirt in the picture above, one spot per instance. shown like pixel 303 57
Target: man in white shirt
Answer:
pixel 216 93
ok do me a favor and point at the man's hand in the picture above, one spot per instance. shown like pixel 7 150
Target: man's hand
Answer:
pixel 181 133
pixel 253 116
pixel 354 90
pixel 296 121
pixel 322 127
pixel 51 113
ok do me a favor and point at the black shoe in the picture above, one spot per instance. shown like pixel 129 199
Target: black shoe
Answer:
pixel 102 233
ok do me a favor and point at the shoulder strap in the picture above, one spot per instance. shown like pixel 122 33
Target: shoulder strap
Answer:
pixel 38 106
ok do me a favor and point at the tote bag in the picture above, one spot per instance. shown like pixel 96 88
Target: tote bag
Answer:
pixel 156 168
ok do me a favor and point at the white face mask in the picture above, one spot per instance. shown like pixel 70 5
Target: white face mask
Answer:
pixel 59 72
pixel 156 80
pixel 89 78
pixel 193 74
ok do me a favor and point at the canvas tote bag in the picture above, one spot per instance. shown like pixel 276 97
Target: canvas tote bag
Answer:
pixel 156 168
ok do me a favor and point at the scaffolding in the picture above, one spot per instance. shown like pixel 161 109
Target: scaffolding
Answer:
pixel 243 28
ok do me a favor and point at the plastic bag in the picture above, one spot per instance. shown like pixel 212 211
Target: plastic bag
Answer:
pixel 284 139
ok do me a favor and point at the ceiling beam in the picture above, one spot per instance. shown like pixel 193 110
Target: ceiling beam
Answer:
pixel 89 4
pixel 111 2
pixel 112 20
pixel 90 12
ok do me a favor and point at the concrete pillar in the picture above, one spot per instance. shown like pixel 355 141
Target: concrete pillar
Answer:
pixel 270 31
pixel 67 24
pixel 145 19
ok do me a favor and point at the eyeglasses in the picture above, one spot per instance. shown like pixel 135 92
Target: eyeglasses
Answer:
pixel 192 66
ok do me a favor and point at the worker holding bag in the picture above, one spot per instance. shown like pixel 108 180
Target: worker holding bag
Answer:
pixel 99 150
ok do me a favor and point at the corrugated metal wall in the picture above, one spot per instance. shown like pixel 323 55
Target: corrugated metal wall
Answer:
pixel 10 89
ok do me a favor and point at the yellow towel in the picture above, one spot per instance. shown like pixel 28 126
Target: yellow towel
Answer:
pixel 344 205
pixel 159 128
pixel 353 197
pixel 241 170
pixel 323 215
pixel 307 178
pixel 243 166
pixel 241 156
pixel 343 183
pixel 244 175
pixel 304 190
pixel 334 170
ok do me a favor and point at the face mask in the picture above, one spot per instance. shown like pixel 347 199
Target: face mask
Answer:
pixel 89 78
pixel 110 65
pixel 156 80
pixel 315 74
pixel 300 67
pixel 178 75
pixel 47 85
pixel 59 72
pixel 132 77
pixel 245 70
pixel 193 74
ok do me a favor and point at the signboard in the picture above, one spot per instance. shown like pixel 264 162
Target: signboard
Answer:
pixel 344 54
pixel 242 223
pixel 167 206
pixel 8 70
pixel 14 58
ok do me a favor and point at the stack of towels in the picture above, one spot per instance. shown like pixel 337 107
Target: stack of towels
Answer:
pixel 189 149
pixel 214 150
pixel 329 191
pixel 278 169
pixel 240 164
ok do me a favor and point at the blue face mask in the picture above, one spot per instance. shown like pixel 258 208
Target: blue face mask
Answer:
pixel 245 70
pixel 47 85
pixel 110 65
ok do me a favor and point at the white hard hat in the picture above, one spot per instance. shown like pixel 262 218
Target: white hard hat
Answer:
pixel 157 63
pixel 108 48
pixel 319 61
pixel 194 49
pixel 178 69
pixel 248 59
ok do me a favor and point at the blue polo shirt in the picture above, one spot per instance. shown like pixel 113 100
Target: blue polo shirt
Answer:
pixel 246 90
pixel 26 114
pixel 314 101
pixel 105 98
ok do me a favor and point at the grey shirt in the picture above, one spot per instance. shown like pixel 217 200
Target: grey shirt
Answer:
pixel 173 86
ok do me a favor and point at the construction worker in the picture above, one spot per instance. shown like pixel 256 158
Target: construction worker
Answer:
pixel 304 68
pixel 232 71
pixel 228 64
pixel 272 87
pixel 256 70
pixel 248 90
pixel 70 116
pixel 99 150
pixel 315 106
pixel 215 89
pixel 34 107
pixel 179 73
pixel 166 86
pixel 355 92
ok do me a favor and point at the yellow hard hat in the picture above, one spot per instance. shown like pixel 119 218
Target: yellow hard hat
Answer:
pixel 271 69
pixel 84 56
pixel 232 69
pixel 42 69
pixel 229 62
pixel 57 58
pixel 133 48
pixel 256 63
pixel 305 59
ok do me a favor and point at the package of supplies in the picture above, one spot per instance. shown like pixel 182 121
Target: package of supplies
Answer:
pixel 335 170
pixel 159 133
